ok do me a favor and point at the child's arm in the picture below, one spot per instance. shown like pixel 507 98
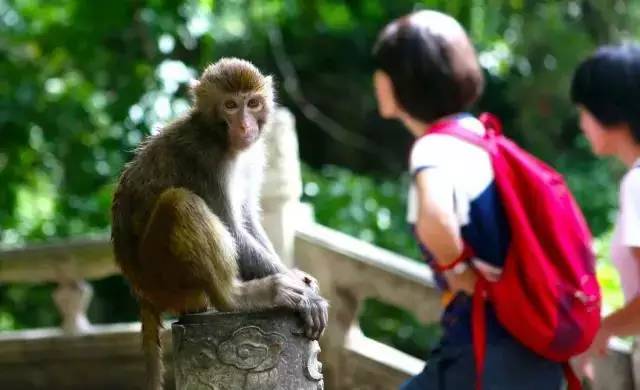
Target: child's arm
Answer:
pixel 623 322
pixel 437 226
pixel 626 320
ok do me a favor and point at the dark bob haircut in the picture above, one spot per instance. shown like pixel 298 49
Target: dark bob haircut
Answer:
pixel 431 63
pixel 608 85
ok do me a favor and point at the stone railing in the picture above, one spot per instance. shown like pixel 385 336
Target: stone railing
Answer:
pixel 70 264
pixel 350 271
pixel 79 355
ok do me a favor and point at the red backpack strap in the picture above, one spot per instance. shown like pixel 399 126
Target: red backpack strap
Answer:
pixel 573 383
pixel 479 332
pixel 491 123
pixel 478 328
pixel 478 316
pixel 453 129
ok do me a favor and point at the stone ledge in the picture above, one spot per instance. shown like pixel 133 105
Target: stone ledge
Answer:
pixel 105 357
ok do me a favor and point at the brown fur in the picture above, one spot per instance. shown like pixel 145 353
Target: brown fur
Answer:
pixel 186 229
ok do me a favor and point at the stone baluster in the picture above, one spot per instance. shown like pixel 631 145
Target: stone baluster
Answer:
pixel 343 318
pixel 72 297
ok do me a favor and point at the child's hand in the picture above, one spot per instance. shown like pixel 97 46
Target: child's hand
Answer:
pixel 583 366
pixel 600 343
pixel 465 281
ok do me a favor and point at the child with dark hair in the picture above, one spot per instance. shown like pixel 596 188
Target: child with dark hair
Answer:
pixel 427 71
pixel 606 90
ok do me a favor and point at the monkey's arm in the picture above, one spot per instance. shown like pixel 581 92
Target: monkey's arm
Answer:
pixel 255 228
pixel 254 259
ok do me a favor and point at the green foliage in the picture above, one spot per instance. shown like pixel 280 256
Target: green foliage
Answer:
pixel 608 275
pixel 27 306
pixel 371 209
pixel 398 328
pixel 84 81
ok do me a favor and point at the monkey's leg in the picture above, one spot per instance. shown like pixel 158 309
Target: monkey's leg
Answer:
pixel 198 250
pixel 186 256
pixel 189 250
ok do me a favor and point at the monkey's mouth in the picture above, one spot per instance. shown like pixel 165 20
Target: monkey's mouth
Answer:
pixel 246 140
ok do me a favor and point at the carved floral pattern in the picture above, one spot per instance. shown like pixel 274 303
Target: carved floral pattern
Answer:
pixel 247 358
pixel 251 349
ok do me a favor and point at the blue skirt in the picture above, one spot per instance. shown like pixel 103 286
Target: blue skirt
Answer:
pixel 508 366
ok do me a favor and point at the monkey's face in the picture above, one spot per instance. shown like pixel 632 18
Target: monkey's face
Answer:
pixel 245 114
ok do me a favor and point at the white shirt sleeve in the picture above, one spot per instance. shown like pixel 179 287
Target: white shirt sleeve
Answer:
pixel 431 157
pixel 429 152
pixel 630 209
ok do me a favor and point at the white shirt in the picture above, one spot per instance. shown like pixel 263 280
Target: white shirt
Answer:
pixel 463 167
pixel 627 234
pixel 461 173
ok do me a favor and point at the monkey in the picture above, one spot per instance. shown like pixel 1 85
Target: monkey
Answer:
pixel 186 228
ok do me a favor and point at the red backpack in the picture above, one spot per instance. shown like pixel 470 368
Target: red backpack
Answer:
pixel 548 297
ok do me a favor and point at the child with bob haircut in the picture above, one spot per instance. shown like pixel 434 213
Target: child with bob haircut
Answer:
pixel 606 91
pixel 427 71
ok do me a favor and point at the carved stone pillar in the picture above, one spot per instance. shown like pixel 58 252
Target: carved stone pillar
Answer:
pixel 282 185
pixel 245 351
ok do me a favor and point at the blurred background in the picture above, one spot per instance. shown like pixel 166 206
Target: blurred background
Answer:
pixel 82 82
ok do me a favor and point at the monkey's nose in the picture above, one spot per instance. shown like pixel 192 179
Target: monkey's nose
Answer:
pixel 244 128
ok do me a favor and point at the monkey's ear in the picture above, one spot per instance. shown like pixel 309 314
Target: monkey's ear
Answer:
pixel 268 82
pixel 268 87
pixel 193 87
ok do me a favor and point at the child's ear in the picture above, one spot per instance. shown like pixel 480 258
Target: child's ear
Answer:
pixel 387 104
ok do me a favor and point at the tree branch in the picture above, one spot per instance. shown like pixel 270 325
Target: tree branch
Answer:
pixel 329 126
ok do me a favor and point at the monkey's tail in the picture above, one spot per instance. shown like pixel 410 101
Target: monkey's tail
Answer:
pixel 151 326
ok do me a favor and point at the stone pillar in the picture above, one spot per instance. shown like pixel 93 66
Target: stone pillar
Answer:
pixel 245 351
pixel 282 185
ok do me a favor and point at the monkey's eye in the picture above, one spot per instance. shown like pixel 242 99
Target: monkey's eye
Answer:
pixel 230 105
pixel 254 103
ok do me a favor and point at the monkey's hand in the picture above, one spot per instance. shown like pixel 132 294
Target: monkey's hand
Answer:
pixel 307 279
pixel 293 292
